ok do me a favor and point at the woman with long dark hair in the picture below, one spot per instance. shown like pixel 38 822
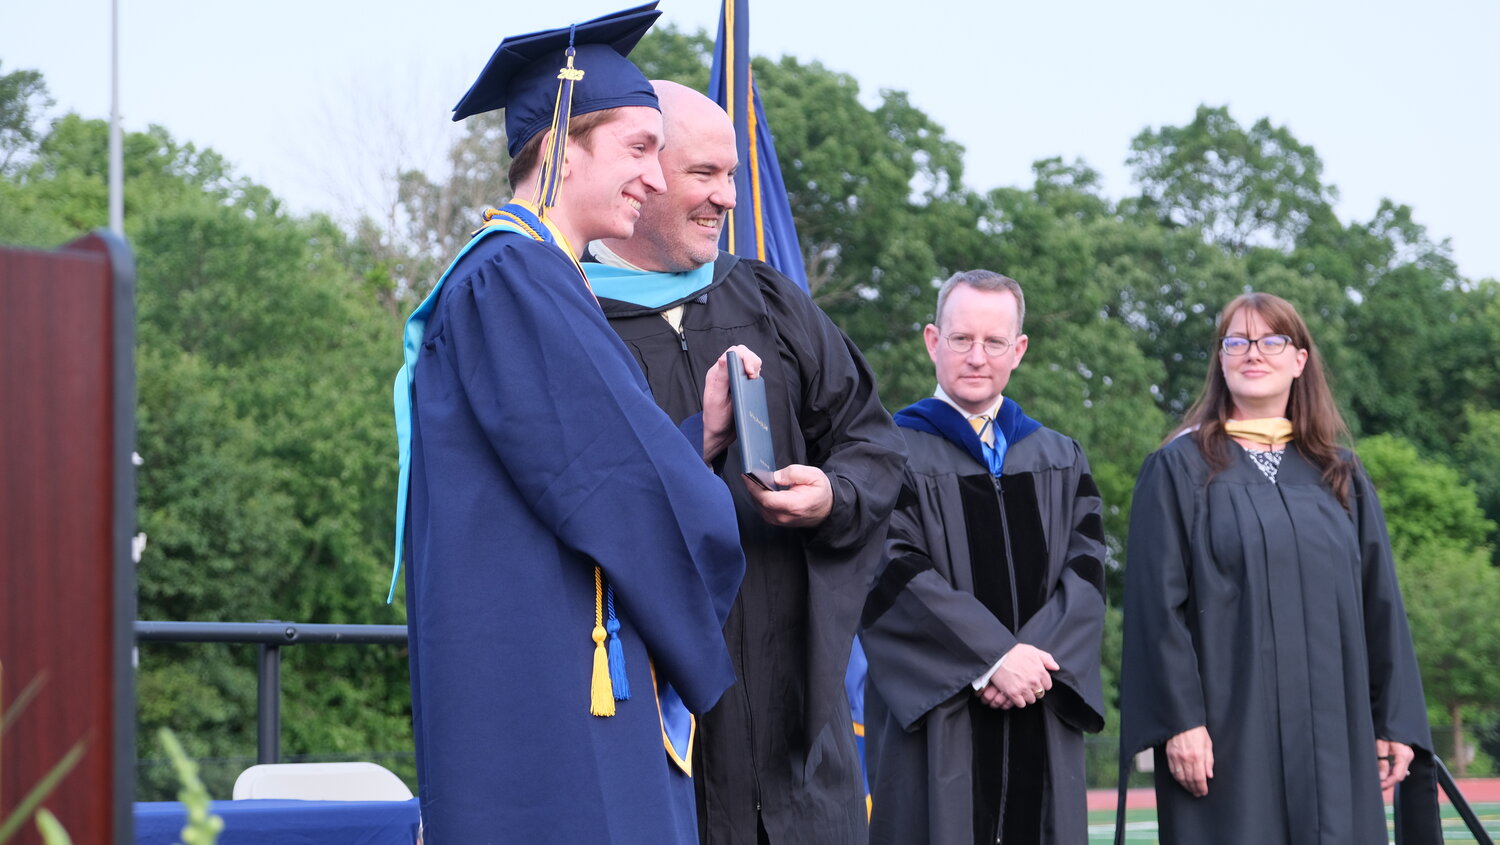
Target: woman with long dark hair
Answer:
pixel 1267 659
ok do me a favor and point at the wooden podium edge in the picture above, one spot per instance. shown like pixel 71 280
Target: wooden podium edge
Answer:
pixel 122 268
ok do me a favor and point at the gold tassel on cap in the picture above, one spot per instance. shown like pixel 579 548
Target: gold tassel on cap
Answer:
pixel 549 186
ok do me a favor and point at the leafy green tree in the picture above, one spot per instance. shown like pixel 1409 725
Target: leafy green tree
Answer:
pixel 23 100
pixel 669 53
pixel 433 218
pixel 860 182
pixel 1438 535
pixel 1085 372
pixel 1479 458
pixel 1241 187
pixel 1423 347
pixel 263 371
pixel 267 484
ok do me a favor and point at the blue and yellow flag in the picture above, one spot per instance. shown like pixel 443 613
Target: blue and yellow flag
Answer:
pixel 761 225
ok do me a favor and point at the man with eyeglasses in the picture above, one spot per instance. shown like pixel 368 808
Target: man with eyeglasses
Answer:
pixel 983 629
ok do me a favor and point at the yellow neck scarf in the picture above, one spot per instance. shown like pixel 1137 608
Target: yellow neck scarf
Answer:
pixel 1271 431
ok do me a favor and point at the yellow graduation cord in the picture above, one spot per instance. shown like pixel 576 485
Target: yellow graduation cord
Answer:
pixel 601 691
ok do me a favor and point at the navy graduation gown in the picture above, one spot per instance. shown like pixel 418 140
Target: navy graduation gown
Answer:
pixel 537 453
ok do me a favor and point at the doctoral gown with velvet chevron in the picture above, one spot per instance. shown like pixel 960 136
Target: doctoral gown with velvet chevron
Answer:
pixel 976 564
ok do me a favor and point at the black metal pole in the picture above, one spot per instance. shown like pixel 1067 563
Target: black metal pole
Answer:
pixel 1400 817
pixel 1445 780
pixel 276 633
pixel 268 721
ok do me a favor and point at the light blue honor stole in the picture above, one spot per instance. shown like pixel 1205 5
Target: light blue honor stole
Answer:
pixel 678 724
pixel 512 218
pixel 657 291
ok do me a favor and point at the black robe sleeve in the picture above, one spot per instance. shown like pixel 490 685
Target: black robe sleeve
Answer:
pixel 1397 701
pixel 1070 625
pixel 1161 691
pixel 926 640
pixel 847 431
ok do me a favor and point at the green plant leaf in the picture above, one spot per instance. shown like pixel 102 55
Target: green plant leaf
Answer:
pixel 51 829
pixel 22 699
pixel 39 793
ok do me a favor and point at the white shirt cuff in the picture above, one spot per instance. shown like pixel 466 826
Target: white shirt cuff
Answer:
pixel 985 678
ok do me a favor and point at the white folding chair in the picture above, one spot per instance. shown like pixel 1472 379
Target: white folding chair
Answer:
pixel 321 782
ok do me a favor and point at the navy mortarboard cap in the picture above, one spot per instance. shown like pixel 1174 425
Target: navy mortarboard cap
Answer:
pixel 528 74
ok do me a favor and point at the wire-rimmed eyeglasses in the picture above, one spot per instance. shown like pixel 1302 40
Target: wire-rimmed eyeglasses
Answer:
pixel 1271 344
pixel 962 343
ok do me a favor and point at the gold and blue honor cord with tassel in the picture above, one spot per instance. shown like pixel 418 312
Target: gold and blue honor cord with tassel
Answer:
pixel 617 676
pixel 609 683
pixel 549 186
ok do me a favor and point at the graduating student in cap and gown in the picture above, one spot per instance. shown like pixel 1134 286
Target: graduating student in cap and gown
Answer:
pixel 983 629
pixel 778 759
pixel 571 558
pixel 1267 659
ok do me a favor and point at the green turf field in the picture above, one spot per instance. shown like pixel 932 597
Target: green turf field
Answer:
pixel 1140 825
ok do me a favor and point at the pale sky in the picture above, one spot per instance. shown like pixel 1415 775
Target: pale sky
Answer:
pixel 315 99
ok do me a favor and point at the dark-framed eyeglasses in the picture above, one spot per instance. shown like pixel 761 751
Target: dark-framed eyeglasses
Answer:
pixel 1271 344
pixel 962 343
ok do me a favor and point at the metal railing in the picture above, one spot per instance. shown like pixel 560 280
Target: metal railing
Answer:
pixel 271 636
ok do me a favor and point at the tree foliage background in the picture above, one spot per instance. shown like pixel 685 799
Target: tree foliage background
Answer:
pixel 267 341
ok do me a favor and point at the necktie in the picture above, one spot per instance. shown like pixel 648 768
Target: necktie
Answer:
pixel 981 426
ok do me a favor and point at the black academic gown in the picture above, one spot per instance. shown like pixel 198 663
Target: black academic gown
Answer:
pixel 975 565
pixel 536 454
pixel 1268 613
pixel 781 741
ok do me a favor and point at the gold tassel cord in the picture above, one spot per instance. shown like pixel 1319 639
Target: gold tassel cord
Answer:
pixel 601 691
pixel 549 186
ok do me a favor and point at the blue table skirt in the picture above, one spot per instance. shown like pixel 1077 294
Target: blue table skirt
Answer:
pixel 287 822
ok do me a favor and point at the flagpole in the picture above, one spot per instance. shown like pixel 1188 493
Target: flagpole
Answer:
pixel 116 142
pixel 761 226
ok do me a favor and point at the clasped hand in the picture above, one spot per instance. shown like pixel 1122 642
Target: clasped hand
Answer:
pixel 1023 678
